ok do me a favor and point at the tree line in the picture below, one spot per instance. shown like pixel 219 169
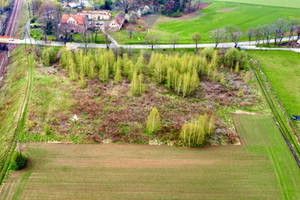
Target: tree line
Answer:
pixel 277 31
pixel 179 73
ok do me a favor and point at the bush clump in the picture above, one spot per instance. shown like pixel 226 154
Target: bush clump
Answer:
pixel 19 161
pixel 47 129
pixel 196 132
pixel 236 59
pixel 48 56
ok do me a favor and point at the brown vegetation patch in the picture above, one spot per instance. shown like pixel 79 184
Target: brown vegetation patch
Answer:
pixel 150 19
pixel 202 5
pixel 227 96
pixel 226 9
pixel 163 19
pixel 122 117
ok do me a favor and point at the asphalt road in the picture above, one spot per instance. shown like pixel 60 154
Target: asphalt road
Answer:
pixel 242 45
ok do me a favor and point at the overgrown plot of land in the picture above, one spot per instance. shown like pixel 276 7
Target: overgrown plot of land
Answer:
pixel 262 168
pixel 283 71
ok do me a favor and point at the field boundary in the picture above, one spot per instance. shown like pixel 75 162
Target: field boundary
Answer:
pixel 21 121
pixel 277 99
pixel 234 126
pixel 292 144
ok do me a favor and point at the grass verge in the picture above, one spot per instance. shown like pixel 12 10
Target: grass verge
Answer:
pixel 15 115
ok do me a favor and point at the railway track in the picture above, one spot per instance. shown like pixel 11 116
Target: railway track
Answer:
pixel 9 31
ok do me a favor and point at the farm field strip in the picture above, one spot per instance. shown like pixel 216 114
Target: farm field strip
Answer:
pixel 283 72
pixel 278 116
pixel 214 17
pixel 262 168
pixel 279 3
pixel 285 94
pixel 270 138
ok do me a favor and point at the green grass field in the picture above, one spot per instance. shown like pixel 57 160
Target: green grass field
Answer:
pixel 280 3
pixel 262 168
pixel 12 96
pixel 283 71
pixel 216 16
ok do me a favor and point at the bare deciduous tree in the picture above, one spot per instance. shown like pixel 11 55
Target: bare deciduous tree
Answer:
pixel 298 32
pixel 152 39
pixel 49 15
pixel 127 5
pixel 35 5
pixel 257 34
pixel 249 34
pixel 130 30
pixel 174 40
pixel 235 37
pixel 292 28
pixel 196 37
pixel 234 33
pixel 218 35
pixel 280 28
pixel 267 32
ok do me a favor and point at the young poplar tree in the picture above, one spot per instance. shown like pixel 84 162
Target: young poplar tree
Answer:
pixel 63 57
pixel 237 67
pixel 118 75
pixel 222 78
pixel 46 57
pixel 195 81
pixel 82 83
pixel 104 73
pixel 141 85
pixel 92 69
pixel 134 85
pixel 186 84
pixel 140 63
pixel 153 122
pixel 72 70
pixel 169 78
pixel 196 132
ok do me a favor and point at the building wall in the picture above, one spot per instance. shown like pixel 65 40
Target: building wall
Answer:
pixel 97 16
pixel 73 28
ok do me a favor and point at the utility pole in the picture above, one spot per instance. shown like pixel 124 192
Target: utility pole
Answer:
pixel 29 10
pixel 18 146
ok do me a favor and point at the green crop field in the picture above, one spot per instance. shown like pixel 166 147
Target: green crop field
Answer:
pixel 220 14
pixel 262 168
pixel 283 71
pixel 280 3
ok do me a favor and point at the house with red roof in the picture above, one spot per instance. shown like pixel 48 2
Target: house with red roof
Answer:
pixel 97 19
pixel 73 23
pixel 117 22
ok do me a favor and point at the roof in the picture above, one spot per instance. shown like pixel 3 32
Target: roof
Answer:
pixel 96 12
pixel 78 18
pixel 120 18
pixel 149 2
